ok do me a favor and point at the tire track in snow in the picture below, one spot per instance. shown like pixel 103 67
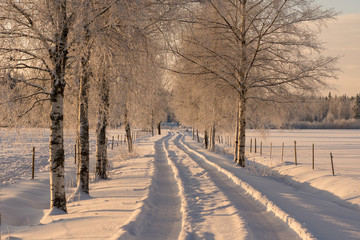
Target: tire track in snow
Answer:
pixel 260 223
pixel 186 228
pixel 207 211
pixel 160 216
pixel 310 212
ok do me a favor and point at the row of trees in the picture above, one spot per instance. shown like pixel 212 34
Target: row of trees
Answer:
pixel 229 61
pixel 242 57
pixel 331 111
pixel 80 59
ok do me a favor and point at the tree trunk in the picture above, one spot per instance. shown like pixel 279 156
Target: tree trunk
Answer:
pixel 236 137
pixel 206 139
pixel 128 137
pixel 101 147
pixel 128 133
pixel 57 155
pixel 193 133
pixel 241 132
pixel 159 128
pixel 212 138
pixel 197 136
pixel 241 79
pixel 152 122
pixel 83 179
pixel 101 151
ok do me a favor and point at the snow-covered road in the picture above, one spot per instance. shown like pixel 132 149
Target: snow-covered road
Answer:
pixel 172 188
pixel 312 213
pixel 161 216
pixel 222 201
pixel 221 206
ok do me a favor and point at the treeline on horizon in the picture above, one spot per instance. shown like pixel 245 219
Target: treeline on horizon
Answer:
pixel 330 112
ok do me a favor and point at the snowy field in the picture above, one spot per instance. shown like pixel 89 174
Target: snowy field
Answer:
pixel 172 188
pixel 16 148
pixel 343 144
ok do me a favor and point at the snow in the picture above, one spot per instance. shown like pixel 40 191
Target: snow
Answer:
pixel 110 205
pixel 343 144
pixel 171 183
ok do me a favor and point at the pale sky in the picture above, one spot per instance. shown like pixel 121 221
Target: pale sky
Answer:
pixel 342 37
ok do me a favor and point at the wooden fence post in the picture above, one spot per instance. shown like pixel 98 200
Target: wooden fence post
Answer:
pixel 332 164
pixel 282 153
pixel 295 153
pixel 313 157
pixel 33 164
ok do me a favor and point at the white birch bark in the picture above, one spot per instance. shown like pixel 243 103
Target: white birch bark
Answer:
pixel 83 179
pixel 57 156
pixel 241 132
pixel 101 149
pixel 236 147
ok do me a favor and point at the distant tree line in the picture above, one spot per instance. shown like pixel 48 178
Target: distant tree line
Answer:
pixel 324 112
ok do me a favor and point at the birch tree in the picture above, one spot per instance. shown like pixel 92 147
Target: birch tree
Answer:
pixel 266 50
pixel 139 81
pixel 84 49
pixel 92 19
pixel 101 73
pixel 152 100
pixel 35 43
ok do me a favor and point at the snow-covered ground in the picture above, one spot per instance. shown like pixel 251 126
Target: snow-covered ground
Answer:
pixel 343 144
pixel 16 149
pixel 172 188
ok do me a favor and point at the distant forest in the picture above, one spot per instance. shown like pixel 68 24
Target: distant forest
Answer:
pixel 323 112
